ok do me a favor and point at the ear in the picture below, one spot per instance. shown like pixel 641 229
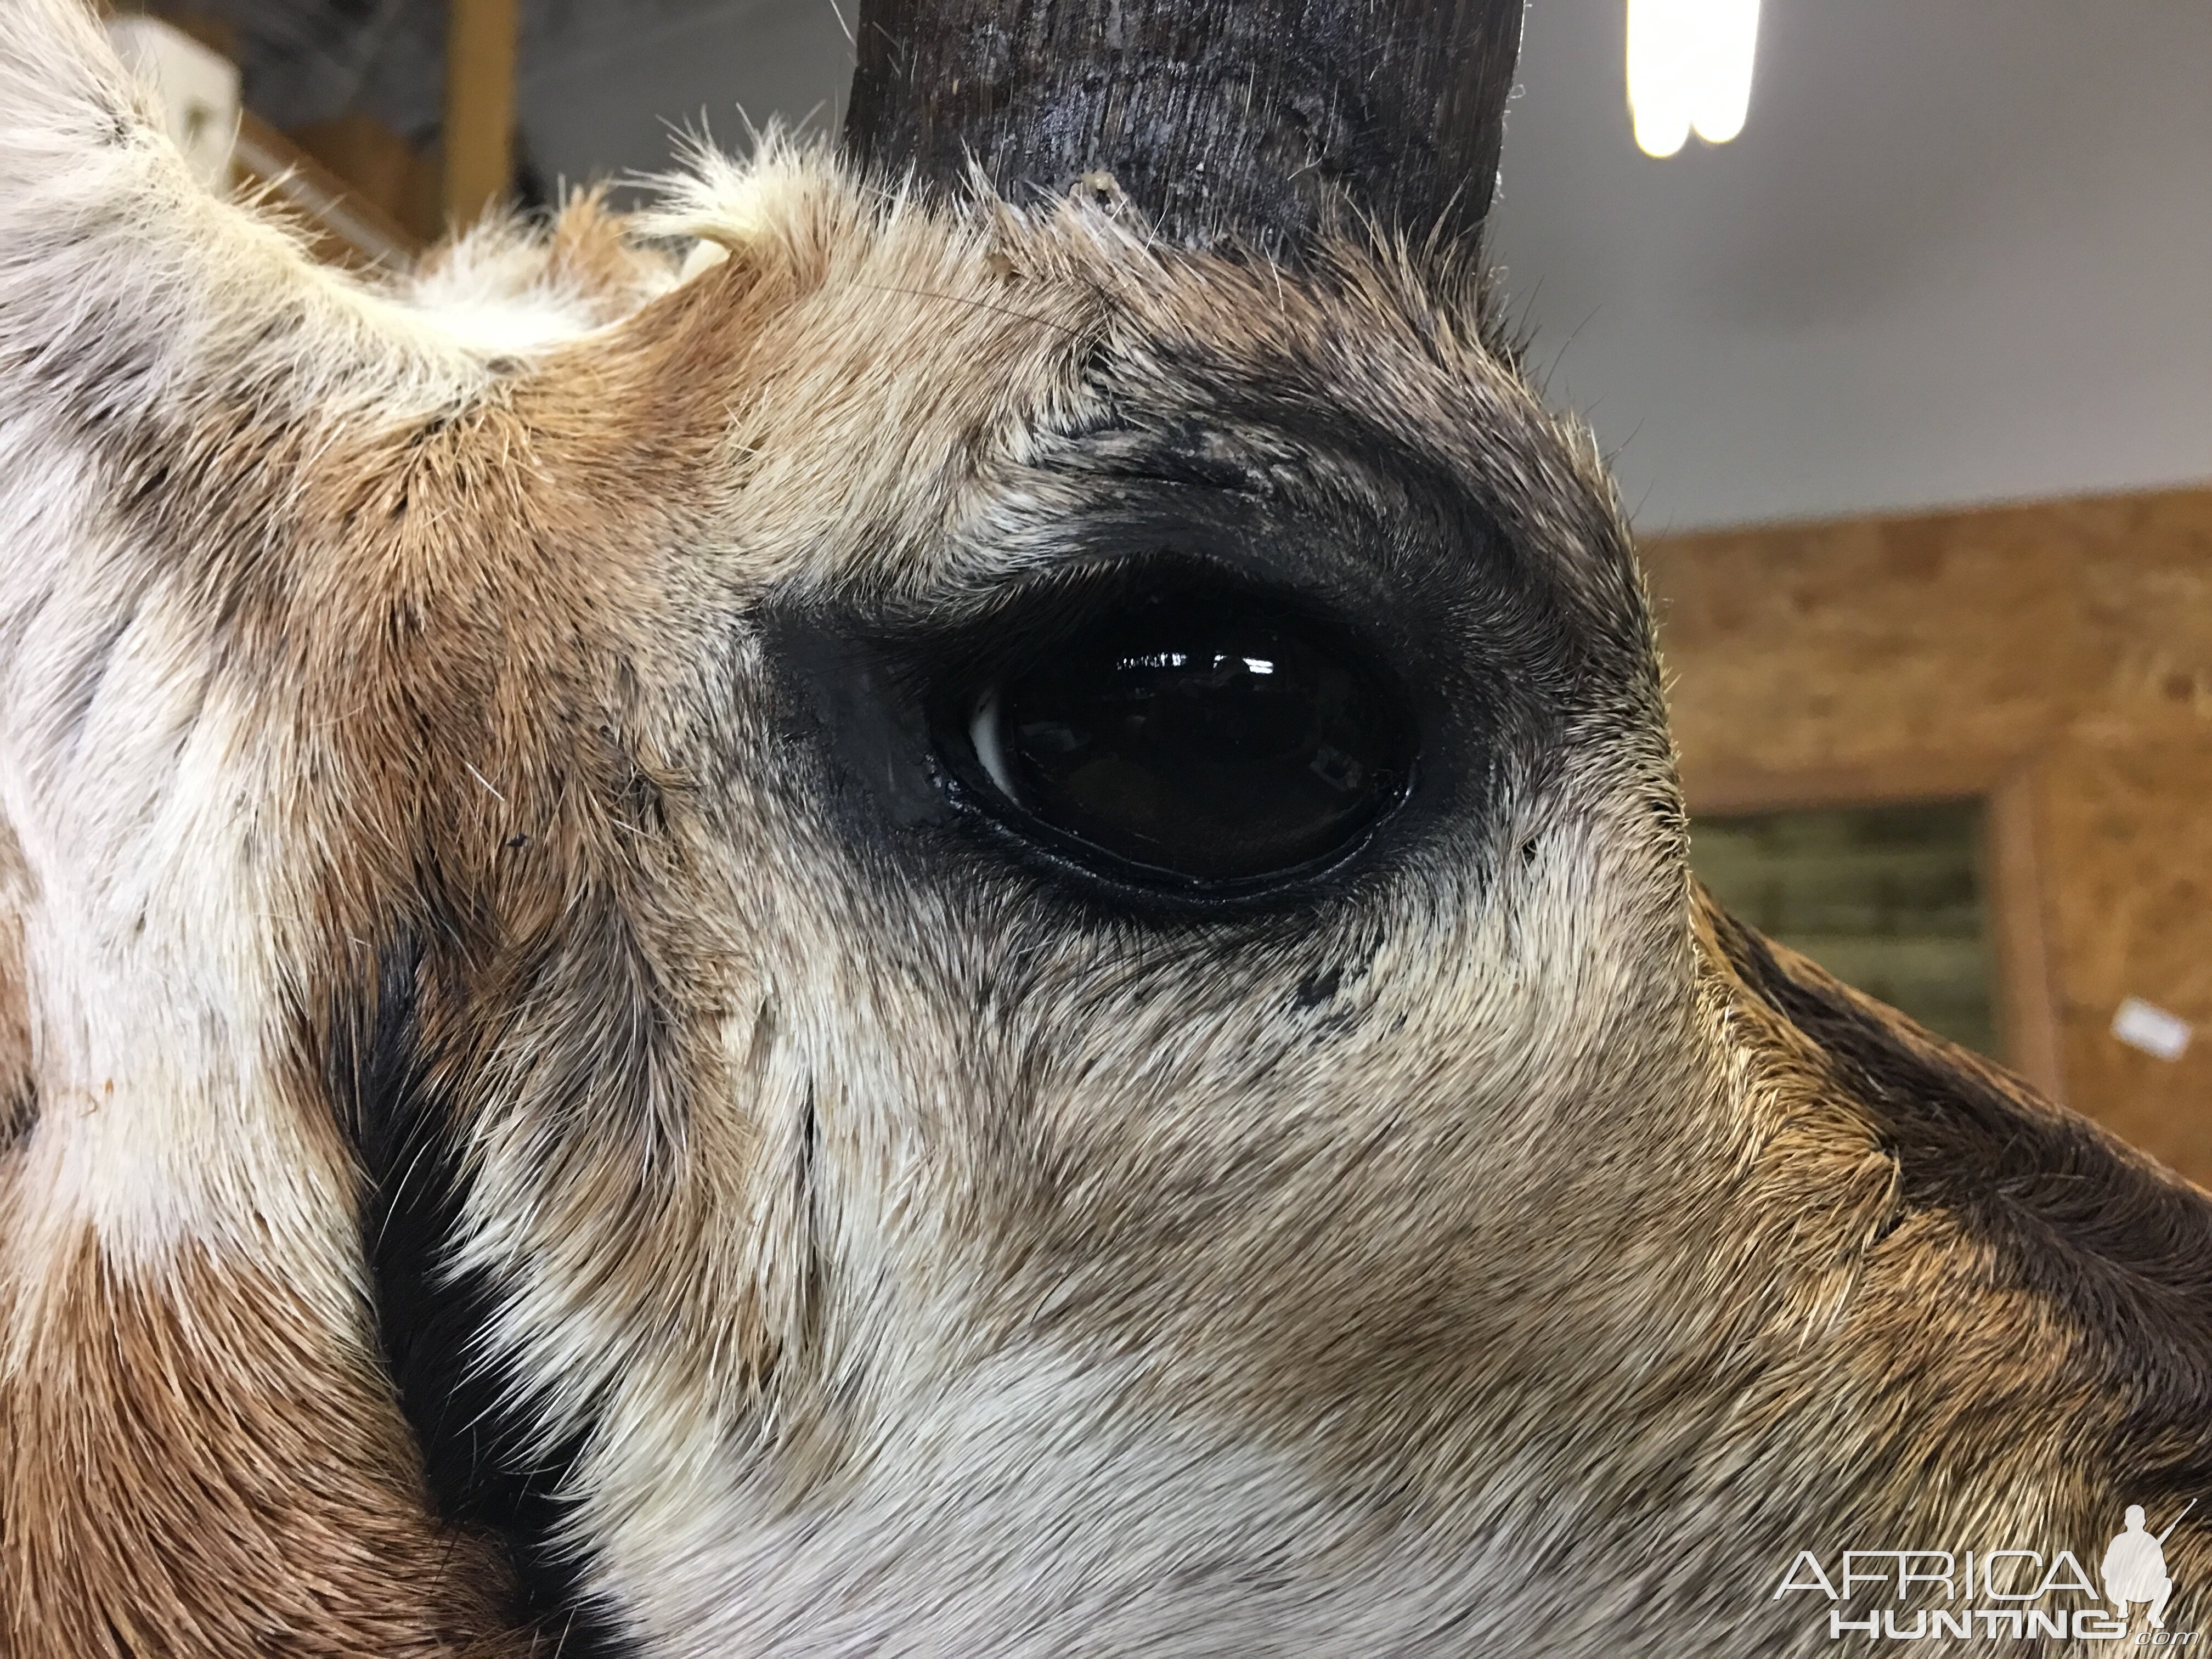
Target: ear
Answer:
pixel 130 290
pixel 82 165
pixel 115 254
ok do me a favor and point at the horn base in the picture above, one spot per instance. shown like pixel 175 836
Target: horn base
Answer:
pixel 1251 122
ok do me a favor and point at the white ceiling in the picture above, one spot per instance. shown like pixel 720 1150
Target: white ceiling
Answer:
pixel 1962 251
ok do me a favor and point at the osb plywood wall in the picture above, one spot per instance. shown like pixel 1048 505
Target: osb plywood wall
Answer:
pixel 2056 658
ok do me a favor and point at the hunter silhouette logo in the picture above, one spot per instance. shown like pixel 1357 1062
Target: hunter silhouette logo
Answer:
pixel 2019 1593
pixel 2135 1566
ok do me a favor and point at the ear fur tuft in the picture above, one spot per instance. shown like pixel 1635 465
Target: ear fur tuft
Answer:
pixel 87 185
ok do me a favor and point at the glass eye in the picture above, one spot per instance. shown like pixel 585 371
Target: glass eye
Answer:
pixel 1206 737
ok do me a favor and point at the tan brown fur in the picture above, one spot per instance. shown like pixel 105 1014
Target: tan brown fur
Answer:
pixel 192 1467
pixel 1920 1352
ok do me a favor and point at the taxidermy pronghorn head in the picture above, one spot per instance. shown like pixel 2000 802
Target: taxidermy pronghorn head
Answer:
pixel 957 926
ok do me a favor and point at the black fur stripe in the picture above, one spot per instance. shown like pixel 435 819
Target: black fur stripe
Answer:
pixel 476 1451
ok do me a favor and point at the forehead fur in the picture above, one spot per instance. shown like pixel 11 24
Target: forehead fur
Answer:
pixel 1108 324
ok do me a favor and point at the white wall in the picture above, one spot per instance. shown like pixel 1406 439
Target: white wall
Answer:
pixel 612 98
pixel 1961 253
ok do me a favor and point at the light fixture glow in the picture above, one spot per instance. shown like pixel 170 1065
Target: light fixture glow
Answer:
pixel 1689 69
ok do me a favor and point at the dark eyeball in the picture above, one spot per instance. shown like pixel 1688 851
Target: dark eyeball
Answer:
pixel 1197 737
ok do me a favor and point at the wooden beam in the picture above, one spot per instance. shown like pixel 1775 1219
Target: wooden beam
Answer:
pixel 479 107
pixel 2028 1013
pixel 349 229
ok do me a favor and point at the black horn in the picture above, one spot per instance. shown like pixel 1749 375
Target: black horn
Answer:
pixel 1221 120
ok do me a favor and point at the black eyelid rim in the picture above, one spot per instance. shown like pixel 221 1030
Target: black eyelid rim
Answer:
pixel 1038 846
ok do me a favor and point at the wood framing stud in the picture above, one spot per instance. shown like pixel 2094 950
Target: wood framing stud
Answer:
pixel 2026 999
pixel 479 107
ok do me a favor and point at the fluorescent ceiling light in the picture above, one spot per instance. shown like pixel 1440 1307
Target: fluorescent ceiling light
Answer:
pixel 1689 69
